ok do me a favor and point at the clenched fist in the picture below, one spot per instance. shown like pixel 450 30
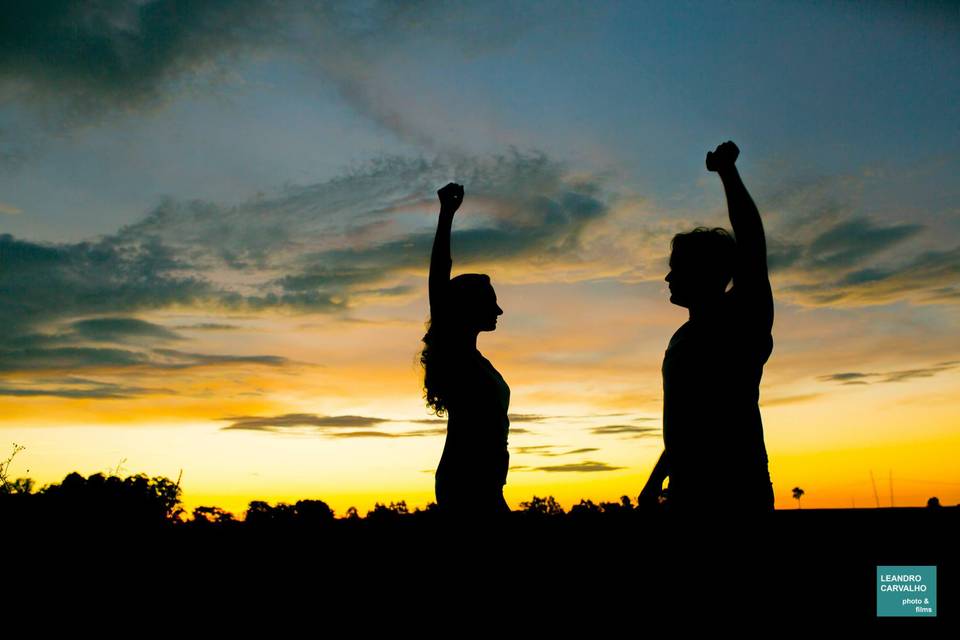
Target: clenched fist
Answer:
pixel 451 197
pixel 723 158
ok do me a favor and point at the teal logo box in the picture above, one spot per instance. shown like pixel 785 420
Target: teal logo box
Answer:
pixel 907 591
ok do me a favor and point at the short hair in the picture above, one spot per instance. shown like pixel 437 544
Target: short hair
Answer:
pixel 706 250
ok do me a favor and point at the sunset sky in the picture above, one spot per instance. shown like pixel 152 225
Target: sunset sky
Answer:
pixel 216 218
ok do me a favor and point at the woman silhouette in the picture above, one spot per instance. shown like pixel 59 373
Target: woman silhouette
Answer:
pixel 714 452
pixel 460 382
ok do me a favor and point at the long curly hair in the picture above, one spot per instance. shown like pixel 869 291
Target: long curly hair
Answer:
pixel 443 348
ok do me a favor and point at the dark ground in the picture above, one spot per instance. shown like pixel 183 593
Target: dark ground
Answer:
pixel 809 567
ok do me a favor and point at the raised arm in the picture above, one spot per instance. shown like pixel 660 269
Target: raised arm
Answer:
pixel 750 278
pixel 440 261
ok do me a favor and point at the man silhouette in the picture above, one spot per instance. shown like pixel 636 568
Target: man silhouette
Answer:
pixel 714 452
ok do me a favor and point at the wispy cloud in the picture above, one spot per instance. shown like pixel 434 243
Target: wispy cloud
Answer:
pixel 294 252
pixel 859 377
pixel 794 399
pixel 77 388
pixel 628 430
pixel 929 277
pixel 74 358
pixel 551 451
pixel 826 250
pixel 345 426
pixel 588 466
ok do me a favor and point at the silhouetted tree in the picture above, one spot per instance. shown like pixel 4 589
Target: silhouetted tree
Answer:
pixel 933 503
pixel 211 515
pixel 258 512
pixel 542 506
pixel 21 486
pixel 797 494
pixel 388 513
pixel 99 499
pixel 624 506
pixel 585 507
pixel 313 512
pixel 5 468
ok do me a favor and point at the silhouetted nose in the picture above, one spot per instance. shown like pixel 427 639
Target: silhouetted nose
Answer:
pixel 499 311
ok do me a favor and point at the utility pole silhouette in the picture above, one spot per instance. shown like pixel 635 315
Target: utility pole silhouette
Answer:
pixel 873 482
pixel 891 487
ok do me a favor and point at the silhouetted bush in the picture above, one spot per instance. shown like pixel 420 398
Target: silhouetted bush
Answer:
pixel 206 516
pixel 313 512
pixel 542 507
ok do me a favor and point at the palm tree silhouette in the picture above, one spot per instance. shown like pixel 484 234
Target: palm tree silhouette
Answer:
pixel 797 492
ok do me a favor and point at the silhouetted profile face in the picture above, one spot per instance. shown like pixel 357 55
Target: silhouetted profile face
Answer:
pixel 701 264
pixel 474 302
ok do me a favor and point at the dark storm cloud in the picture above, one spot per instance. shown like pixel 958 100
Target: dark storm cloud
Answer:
pixel 78 60
pixel 91 56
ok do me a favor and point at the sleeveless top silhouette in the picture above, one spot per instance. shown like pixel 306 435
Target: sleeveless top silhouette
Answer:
pixel 712 429
pixel 474 463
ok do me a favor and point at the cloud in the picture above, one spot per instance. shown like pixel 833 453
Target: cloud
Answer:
pixel 383 434
pixel 330 426
pixel 856 377
pixel 9 209
pixel 42 284
pixel 929 277
pixel 120 329
pixel 824 249
pixel 82 60
pixel 803 397
pixel 299 420
pixel 550 451
pixel 73 358
pixel 852 241
pixel 208 326
pixel 78 388
pixel 79 61
pixel 296 251
pixel 630 430
pixel 579 467
pixel 849 376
